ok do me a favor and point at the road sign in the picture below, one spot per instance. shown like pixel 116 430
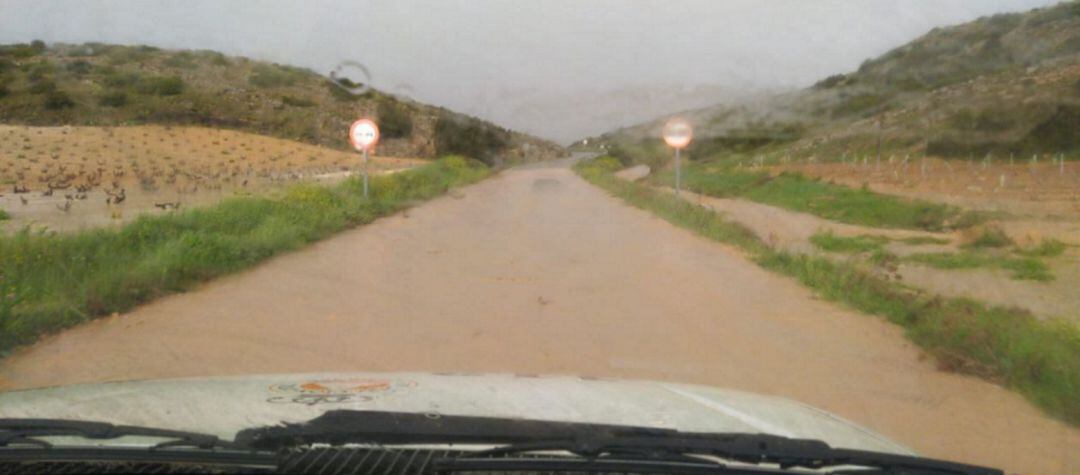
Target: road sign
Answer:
pixel 677 134
pixel 363 134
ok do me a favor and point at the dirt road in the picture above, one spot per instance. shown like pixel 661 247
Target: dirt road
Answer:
pixel 535 271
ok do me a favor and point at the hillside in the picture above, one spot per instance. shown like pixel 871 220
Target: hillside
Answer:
pixel 106 85
pixel 1005 84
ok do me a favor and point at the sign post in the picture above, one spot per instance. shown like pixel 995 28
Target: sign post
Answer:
pixel 364 134
pixel 677 134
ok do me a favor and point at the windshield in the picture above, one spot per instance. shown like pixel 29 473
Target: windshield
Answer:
pixel 849 221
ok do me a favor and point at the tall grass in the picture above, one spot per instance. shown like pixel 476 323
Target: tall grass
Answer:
pixel 1041 360
pixel 52 281
pixel 1023 268
pixel 828 200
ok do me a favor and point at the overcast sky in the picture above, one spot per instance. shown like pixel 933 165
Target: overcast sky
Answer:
pixel 561 69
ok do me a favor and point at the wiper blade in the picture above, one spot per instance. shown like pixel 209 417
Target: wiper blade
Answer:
pixel 746 448
pixel 29 431
pixel 348 426
pixel 583 440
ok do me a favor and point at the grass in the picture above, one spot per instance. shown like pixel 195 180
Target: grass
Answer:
pixel 923 240
pixel 831 242
pixel 4 215
pixel 827 200
pixel 52 281
pixel 1023 268
pixel 1048 248
pixel 1041 360
pixel 990 237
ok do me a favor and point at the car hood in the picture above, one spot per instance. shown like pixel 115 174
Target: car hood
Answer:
pixel 225 405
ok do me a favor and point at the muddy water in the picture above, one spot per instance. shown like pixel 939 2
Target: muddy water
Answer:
pixel 535 271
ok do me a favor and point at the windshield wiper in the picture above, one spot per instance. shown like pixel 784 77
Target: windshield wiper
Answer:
pixel 600 443
pixel 30 431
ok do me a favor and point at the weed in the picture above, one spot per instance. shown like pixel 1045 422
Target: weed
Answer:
pixel 1023 268
pixel 990 237
pixel 113 99
pixel 829 241
pixel 922 240
pixel 1048 248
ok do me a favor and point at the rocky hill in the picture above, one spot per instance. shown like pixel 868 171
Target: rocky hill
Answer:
pixel 101 84
pixel 1004 84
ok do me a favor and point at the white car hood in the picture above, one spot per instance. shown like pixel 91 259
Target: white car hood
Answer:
pixel 223 406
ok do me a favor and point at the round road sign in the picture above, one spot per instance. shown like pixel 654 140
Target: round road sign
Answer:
pixel 363 134
pixel 678 133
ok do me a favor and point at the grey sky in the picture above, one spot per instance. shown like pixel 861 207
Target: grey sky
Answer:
pixel 561 69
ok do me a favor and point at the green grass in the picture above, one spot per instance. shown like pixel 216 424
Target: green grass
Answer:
pixel 828 241
pixel 922 240
pixel 52 281
pixel 827 200
pixel 1023 268
pixel 1048 248
pixel 1041 360
pixel 4 215
pixel 990 237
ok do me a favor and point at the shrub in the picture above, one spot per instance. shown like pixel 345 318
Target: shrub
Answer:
pixel 297 101
pixel 463 137
pixel 79 68
pixel 182 60
pixel 42 87
pixel 991 237
pixel 860 104
pixel 56 100
pixel 264 75
pixel 394 120
pixel 113 99
pixel 161 86
pixel 830 82
pixel 114 78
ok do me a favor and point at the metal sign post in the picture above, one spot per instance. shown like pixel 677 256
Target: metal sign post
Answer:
pixel 365 173
pixel 677 134
pixel 364 134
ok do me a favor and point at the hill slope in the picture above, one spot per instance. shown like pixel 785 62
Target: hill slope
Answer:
pixel 1004 84
pixel 99 84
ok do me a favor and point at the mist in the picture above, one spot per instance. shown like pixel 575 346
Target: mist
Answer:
pixel 559 69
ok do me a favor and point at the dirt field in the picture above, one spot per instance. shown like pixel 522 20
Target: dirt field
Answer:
pixel 153 165
pixel 535 271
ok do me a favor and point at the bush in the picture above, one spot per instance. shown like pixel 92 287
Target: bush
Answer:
pixel 394 120
pixel 79 68
pixel 57 100
pixel 469 138
pixel 830 82
pixel 860 104
pixel 161 86
pixel 297 101
pixel 119 79
pixel 264 75
pixel 113 99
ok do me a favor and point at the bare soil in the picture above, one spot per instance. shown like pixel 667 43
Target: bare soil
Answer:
pixel 535 271
pixel 154 165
